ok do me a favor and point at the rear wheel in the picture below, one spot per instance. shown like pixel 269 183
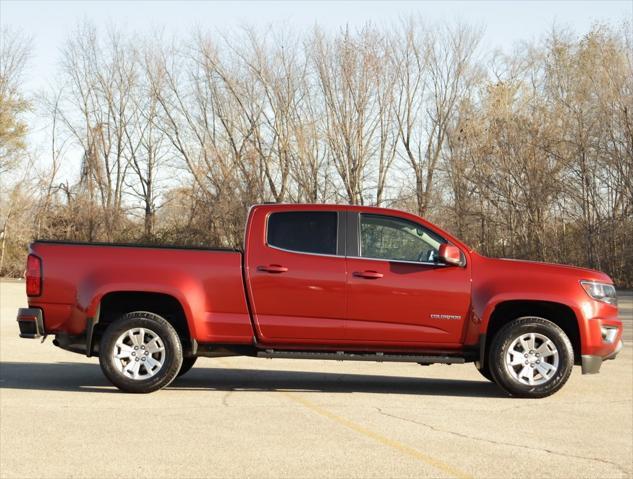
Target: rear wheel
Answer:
pixel 485 372
pixel 531 357
pixel 187 364
pixel 140 352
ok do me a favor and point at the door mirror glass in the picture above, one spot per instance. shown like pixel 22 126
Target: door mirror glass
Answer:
pixel 450 254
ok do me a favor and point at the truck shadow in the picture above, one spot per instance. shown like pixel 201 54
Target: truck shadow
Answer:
pixel 82 377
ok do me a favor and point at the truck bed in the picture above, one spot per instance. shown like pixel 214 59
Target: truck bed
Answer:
pixel 206 281
pixel 136 245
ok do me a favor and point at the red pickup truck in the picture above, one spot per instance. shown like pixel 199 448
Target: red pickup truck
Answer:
pixel 321 282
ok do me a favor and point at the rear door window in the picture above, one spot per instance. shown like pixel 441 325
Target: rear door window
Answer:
pixel 303 231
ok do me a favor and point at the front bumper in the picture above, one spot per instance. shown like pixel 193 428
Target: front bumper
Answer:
pixel 591 363
pixel 31 323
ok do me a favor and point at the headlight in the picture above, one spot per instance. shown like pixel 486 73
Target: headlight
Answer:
pixel 604 292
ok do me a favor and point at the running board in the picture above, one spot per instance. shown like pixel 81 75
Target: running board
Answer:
pixel 377 357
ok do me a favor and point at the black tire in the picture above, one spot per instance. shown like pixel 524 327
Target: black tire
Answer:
pixel 503 341
pixel 187 364
pixel 172 350
pixel 485 372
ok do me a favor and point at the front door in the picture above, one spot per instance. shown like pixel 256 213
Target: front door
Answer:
pixel 398 293
pixel 296 277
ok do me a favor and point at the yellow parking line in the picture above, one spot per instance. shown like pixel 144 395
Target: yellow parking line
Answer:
pixel 403 448
pixel 398 446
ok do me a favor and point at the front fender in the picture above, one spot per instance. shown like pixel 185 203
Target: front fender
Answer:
pixel 497 282
pixel 485 307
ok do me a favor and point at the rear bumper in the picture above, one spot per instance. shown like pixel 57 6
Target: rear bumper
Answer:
pixel 31 323
pixel 591 363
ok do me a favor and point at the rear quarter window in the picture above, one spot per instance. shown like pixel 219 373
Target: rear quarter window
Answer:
pixel 303 231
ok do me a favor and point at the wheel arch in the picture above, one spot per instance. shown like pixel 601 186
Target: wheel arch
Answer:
pixel 112 304
pixel 558 313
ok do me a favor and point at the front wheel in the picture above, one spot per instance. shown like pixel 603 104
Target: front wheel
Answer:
pixel 140 352
pixel 531 357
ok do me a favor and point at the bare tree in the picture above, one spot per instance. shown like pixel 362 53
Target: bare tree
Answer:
pixel 14 53
pixel 99 79
pixel 527 153
pixel 349 69
pixel 434 69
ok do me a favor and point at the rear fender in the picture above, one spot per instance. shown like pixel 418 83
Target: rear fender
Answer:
pixel 90 296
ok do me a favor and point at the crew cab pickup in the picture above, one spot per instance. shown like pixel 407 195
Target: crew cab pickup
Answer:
pixel 321 282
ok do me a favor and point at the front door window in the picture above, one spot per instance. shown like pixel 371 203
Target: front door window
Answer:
pixel 395 239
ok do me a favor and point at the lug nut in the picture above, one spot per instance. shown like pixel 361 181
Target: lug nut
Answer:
pixel 142 347
pixel 142 359
pixel 532 365
pixel 526 355
pixel 136 359
pixel 527 362
pixel 135 347
pixel 538 361
pixel 133 354
pixel 146 353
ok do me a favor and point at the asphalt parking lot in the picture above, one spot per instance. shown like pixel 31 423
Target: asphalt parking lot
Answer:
pixel 244 417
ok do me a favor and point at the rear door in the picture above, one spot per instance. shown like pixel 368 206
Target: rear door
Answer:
pixel 296 275
pixel 398 292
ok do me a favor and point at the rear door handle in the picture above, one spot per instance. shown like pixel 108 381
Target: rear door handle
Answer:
pixel 273 268
pixel 367 274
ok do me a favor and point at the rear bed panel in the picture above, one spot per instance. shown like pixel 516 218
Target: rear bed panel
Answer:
pixel 207 283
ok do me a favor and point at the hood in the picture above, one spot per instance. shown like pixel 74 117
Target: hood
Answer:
pixel 520 266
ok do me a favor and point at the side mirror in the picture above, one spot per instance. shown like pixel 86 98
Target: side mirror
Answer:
pixel 450 254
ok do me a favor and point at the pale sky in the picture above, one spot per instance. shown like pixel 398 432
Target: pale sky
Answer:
pixel 49 22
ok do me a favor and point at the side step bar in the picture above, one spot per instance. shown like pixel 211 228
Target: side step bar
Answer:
pixel 377 357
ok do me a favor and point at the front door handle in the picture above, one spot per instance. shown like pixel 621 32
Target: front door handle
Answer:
pixel 368 274
pixel 273 268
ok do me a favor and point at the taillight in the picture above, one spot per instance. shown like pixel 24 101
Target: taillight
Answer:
pixel 33 276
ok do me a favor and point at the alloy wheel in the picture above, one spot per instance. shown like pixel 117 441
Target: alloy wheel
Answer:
pixel 532 359
pixel 139 353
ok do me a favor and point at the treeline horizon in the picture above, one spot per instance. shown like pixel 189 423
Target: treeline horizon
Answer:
pixel 525 153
